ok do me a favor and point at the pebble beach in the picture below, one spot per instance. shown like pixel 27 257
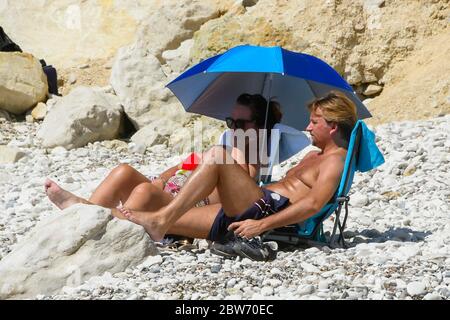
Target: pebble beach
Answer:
pixel 398 230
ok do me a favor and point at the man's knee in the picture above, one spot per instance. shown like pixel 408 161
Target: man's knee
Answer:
pixel 144 189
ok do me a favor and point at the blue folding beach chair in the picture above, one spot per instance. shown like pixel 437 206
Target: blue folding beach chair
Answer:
pixel 362 155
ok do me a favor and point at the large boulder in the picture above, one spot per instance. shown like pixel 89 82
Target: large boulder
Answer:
pixel 176 21
pixel 198 135
pixel 22 82
pixel 85 115
pixel 70 247
pixel 138 81
pixel 157 132
pixel 193 134
pixel 177 60
pixel 137 75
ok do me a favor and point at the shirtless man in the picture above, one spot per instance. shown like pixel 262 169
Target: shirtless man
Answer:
pixel 247 209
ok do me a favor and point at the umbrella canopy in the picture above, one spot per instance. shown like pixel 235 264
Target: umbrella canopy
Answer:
pixel 293 79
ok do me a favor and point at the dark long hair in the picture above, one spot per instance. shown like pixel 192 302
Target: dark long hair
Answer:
pixel 258 105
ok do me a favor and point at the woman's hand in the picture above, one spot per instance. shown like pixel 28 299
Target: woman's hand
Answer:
pixel 159 183
pixel 247 228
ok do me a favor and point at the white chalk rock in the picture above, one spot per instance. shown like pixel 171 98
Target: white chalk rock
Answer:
pixel 70 247
pixel 22 82
pixel 432 296
pixel 164 29
pixel 39 112
pixel 138 80
pixel 305 289
pixel 178 59
pixel 10 155
pixel 359 200
pixel 85 115
pixel 136 147
pixel 158 132
pixel 416 288
pixel 372 89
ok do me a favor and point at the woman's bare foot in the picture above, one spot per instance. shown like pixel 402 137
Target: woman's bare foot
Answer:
pixel 151 223
pixel 60 197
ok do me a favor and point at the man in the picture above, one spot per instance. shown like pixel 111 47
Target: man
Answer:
pixel 247 209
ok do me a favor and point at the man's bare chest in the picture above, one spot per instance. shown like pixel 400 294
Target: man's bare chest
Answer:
pixel 306 171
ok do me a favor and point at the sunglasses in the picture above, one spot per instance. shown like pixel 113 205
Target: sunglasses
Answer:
pixel 236 123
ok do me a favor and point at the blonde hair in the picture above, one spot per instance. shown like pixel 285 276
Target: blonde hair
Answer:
pixel 336 107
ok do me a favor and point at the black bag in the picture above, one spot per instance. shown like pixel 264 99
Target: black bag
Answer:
pixel 52 78
pixel 6 44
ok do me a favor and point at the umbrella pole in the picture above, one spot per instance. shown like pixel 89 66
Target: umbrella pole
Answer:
pixel 268 99
pixel 265 135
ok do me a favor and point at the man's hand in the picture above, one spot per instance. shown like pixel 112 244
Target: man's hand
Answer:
pixel 247 228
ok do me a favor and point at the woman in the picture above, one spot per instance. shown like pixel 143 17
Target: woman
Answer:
pixel 125 186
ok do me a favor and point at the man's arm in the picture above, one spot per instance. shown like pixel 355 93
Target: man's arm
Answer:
pixel 304 208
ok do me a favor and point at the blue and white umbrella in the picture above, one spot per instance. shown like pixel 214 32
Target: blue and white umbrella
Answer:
pixel 293 79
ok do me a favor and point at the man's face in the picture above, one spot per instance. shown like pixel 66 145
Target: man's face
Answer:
pixel 319 129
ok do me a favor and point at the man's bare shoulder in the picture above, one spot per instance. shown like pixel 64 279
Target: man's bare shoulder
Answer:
pixel 337 157
pixel 333 164
pixel 334 157
pixel 310 154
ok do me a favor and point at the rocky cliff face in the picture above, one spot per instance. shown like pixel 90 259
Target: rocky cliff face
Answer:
pixel 68 32
pixel 360 39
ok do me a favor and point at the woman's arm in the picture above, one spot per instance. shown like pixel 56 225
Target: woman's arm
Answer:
pixel 164 177
pixel 169 172
pixel 251 168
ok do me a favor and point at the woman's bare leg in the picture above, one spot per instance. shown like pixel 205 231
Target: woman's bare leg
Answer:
pixel 60 197
pixel 116 188
pixel 144 196
pixel 147 196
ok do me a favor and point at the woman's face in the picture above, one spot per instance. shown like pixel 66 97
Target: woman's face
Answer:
pixel 242 118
